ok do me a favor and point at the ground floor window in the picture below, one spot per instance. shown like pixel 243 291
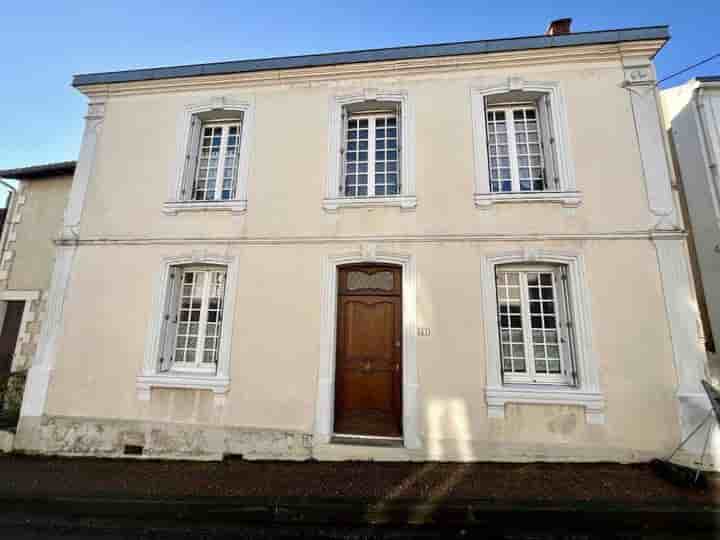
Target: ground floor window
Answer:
pixel 534 324
pixel 193 318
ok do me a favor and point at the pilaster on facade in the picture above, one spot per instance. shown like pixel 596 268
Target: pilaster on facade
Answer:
pixel 39 373
pixel 687 347
pixel 85 166
pixel 641 84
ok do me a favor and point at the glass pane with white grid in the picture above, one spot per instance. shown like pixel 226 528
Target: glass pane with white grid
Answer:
pixel 199 318
pixel 528 150
pixel 386 155
pixel 216 174
pixel 213 324
pixel 515 155
pixel 512 340
pixel 544 321
pixel 529 325
pixel 371 156
pixel 189 312
pixel 500 172
pixel 356 157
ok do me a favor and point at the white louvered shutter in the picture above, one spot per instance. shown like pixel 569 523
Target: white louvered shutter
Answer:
pixel 567 327
pixel 341 150
pixel 191 159
pixel 169 322
pixel 549 146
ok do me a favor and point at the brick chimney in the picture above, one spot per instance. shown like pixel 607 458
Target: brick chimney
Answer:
pixel 559 26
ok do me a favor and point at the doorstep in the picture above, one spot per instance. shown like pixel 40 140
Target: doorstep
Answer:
pixel 341 449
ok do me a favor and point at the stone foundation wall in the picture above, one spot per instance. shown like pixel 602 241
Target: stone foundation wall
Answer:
pixel 111 438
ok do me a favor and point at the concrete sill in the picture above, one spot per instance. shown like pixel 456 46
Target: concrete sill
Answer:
pixel 172 208
pixel 568 199
pixel 406 202
pixel 145 383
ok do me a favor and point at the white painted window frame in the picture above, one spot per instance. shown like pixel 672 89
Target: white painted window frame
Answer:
pixel 567 195
pixel 217 381
pixel 28 316
pixel 530 376
pixel 325 403
pixel 587 392
pixel 177 202
pixel 224 126
pixel 407 198
pixel 173 311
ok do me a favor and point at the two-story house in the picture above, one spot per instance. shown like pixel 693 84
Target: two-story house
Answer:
pixel 458 251
pixel 34 216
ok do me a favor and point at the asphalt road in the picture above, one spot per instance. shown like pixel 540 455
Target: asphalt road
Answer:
pixel 28 525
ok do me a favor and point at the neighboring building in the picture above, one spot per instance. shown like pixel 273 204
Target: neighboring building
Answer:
pixel 34 218
pixel 461 251
pixel 692 113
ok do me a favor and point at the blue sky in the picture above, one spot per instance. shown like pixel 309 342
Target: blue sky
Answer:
pixel 45 43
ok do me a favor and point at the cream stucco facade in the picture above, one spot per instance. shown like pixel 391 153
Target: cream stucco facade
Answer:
pixel 617 224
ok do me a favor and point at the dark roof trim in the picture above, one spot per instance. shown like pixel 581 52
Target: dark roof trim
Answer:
pixel 708 78
pixel 40 171
pixel 378 55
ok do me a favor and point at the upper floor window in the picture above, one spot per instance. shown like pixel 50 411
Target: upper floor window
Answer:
pixel 371 145
pixel 217 163
pixel 213 168
pixel 515 147
pixel 371 153
pixel 521 147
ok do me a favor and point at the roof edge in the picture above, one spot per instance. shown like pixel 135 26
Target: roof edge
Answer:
pixel 596 37
pixel 40 171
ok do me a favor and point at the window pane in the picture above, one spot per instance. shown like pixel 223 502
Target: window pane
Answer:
pixel 189 309
pixel 545 333
pixel 201 302
pixel 217 164
pixel 356 158
pixel 526 130
pixel 216 294
pixel 525 136
pixel 511 331
pixel 500 176
pixel 386 162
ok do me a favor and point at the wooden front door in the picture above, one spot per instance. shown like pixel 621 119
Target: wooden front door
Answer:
pixel 368 374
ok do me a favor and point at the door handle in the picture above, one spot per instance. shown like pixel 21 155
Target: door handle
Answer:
pixel 397 343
